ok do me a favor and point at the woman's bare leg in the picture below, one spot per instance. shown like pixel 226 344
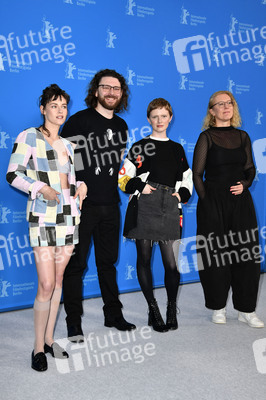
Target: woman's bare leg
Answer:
pixel 45 264
pixel 61 257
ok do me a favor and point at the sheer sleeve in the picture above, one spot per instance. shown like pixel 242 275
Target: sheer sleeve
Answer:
pixel 249 168
pixel 199 163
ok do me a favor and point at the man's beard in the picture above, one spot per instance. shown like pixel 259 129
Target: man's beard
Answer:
pixel 101 100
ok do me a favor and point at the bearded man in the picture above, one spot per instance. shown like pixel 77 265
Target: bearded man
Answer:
pixel 101 138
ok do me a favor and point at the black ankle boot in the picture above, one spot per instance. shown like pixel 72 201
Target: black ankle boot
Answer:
pixel 171 321
pixel 155 318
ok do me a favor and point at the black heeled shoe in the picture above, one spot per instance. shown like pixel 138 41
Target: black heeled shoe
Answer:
pixel 171 320
pixel 39 361
pixel 155 319
pixel 56 351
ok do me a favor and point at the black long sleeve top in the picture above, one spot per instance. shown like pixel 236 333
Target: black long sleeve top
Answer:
pixel 224 155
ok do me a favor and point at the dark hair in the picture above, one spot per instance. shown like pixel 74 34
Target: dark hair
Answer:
pixel 50 93
pixel 92 101
pixel 159 103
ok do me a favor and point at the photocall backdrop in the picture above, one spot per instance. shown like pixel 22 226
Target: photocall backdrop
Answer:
pixel 180 50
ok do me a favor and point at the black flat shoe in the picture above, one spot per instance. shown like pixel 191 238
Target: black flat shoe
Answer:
pixel 75 334
pixel 39 361
pixel 55 350
pixel 120 323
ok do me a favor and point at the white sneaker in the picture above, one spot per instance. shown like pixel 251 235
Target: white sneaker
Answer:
pixel 218 316
pixel 251 319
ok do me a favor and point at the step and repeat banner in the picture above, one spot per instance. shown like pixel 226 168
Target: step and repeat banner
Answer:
pixel 182 50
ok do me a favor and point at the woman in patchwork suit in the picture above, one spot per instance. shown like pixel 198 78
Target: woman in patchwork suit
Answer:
pixel 42 165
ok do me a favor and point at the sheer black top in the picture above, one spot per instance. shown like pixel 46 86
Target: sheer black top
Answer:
pixel 225 155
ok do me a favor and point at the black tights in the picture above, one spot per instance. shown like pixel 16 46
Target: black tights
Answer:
pixel 172 275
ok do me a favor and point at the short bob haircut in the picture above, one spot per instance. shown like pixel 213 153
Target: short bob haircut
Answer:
pixel 159 103
pixel 50 93
pixel 91 100
pixel 209 119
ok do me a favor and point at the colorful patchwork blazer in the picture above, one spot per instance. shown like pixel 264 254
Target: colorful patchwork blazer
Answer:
pixel 33 164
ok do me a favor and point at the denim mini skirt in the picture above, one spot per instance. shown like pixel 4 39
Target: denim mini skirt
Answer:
pixel 158 216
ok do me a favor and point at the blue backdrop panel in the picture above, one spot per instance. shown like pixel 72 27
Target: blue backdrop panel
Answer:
pixel 183 51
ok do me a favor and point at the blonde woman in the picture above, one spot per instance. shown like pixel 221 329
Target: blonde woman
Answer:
pixel 226 217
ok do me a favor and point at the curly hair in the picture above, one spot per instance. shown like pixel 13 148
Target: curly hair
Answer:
pixel 50 93
pixel 209 119
pixel 159 103
pixel 91 100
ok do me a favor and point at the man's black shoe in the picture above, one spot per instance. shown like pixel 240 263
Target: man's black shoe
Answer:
pixel 75 334
pixel 119 323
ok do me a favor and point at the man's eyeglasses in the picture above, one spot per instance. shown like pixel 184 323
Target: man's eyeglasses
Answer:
pixel 108 88
pixel 222 104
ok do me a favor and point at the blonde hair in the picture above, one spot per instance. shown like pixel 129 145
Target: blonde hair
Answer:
pixel 209 119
